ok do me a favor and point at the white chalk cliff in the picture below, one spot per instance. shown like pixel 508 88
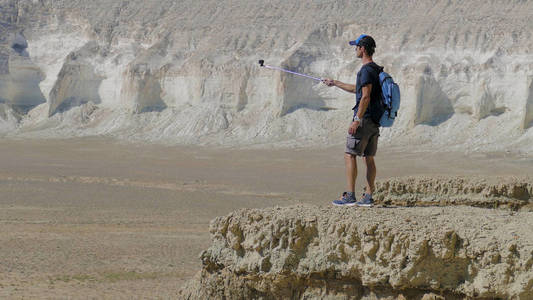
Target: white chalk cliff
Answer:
pixel 186 71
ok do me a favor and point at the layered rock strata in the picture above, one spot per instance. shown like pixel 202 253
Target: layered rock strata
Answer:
pixel 481 191
pixel 307 252
pixel 187 72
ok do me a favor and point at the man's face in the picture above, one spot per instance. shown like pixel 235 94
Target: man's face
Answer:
pixel 359 51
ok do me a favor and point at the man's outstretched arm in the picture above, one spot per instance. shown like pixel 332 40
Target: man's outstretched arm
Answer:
pixel 350 88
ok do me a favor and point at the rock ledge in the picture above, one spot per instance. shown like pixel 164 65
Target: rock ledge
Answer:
pixel 308 252
pixel 511 192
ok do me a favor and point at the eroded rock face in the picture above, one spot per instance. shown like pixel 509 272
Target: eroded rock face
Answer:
pixel 480 191
pixel 307 252
pixel 77 83
pixel 19 76
pixel 464 69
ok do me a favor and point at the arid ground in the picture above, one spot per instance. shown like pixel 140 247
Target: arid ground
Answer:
pixel 97 218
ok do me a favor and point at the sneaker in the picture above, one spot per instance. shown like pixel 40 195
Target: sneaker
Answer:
pixel 366 201
pixel 345 200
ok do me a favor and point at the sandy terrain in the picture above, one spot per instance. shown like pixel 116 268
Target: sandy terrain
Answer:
pixel 93 218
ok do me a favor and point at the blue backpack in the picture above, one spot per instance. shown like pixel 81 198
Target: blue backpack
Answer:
pixel 390 99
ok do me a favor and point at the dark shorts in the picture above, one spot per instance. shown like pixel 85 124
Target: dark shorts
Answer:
pixel 365 140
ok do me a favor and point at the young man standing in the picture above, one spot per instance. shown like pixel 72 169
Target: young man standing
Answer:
pixel 363 132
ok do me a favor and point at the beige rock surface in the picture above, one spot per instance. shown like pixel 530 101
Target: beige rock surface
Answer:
pixel 480 191
pixel 309 252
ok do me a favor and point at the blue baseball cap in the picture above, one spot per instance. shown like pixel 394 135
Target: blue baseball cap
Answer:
pixel 358 40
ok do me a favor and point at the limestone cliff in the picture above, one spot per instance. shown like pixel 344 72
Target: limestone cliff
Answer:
pixel 186 71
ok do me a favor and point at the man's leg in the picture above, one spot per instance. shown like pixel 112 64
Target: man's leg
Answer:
pixel 370 174
pixel 348 197
pixel 351 171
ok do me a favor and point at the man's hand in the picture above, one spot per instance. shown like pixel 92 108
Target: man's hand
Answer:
pixel 353 127
pixel 350 88
pixel 328 82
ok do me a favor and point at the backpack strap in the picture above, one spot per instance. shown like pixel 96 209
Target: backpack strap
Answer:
pixel 383 76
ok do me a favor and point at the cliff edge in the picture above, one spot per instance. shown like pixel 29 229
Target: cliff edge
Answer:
pixel 308 252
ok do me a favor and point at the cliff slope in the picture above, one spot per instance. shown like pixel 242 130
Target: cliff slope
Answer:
pixel 186 71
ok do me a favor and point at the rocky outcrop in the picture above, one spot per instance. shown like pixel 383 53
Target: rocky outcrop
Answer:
pixel 480 191
pixel 528 112
pixel 19 76
pixel 307 252
pixel 432 104
pixel 142 90
pixel 77 83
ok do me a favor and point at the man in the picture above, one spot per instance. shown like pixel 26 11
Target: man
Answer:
pixel 363 132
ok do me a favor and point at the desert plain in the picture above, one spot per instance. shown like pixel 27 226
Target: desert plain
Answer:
pixel 97 218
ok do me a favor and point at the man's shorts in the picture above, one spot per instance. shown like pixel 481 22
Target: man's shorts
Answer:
pixel 365 140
